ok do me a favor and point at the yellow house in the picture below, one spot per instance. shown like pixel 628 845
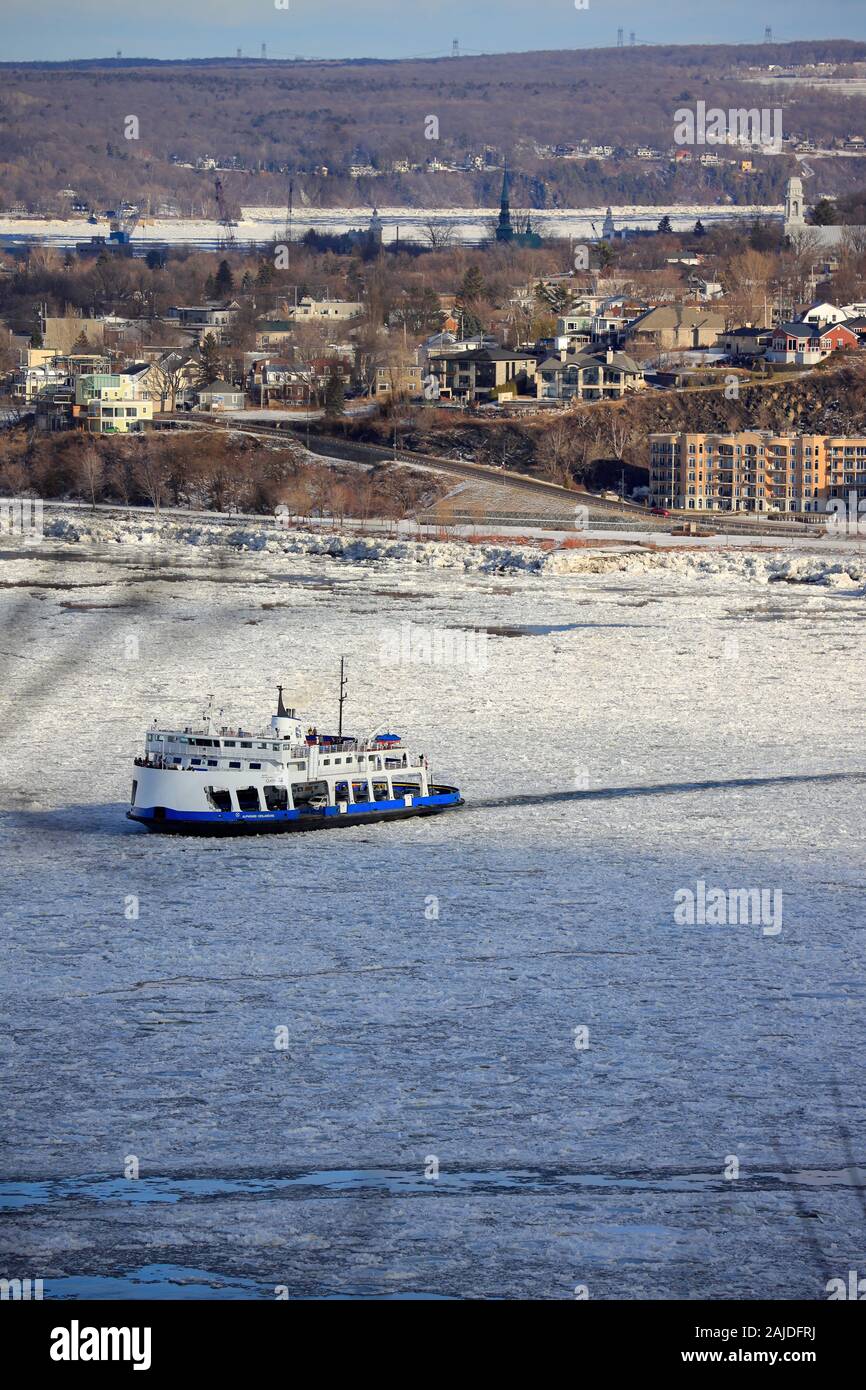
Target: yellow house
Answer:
pixel 111 404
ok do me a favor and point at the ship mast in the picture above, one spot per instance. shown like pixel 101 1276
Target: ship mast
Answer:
pixel 343 683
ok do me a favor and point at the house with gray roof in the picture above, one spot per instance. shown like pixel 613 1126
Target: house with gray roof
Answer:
pixel 588 376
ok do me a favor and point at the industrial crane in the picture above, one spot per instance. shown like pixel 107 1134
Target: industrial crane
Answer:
pixel 122 226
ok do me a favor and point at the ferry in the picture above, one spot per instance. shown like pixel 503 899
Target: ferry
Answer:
pixel 215 780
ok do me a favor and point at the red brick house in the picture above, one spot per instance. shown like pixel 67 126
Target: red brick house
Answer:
pixel 804 344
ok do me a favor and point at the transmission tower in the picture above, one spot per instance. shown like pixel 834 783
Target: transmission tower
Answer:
pixel 768 35
pixel 619 38
pixel 290 208
pixel 264 50
pixel 455 48
pixel 227 238
pixel 631 38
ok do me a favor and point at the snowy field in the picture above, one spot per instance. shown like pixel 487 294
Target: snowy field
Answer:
pixel 623 728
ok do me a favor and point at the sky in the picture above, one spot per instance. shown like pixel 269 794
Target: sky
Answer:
pixel 60 29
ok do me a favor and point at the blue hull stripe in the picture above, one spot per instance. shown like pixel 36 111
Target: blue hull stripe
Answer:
pixel 359 808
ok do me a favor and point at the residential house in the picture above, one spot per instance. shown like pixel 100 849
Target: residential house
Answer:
pixel 588 376
pixel 823 313
pixel 167 380
pixel 858 326
pixel 212 317
pixel 483 373
pixel 111 403
pixel 28 382
pixel 672 326
pixel 308 309
pixel 804 344
pixel 744 344
pixel 272 333
pixel 220 395
pixel 576 325
pixel 275 378
pixel 403 378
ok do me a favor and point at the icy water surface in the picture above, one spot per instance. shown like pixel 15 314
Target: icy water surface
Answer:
pixel 618 740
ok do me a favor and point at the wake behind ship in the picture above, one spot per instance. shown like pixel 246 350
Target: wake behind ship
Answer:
pixel 223 781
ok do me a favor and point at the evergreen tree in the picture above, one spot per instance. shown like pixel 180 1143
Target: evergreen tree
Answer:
pixel 209 366
pixel 554 297
pixel 471 288
pixel 823 214
pixel 700 229
pixel 665 225
pixel 225 281
pixel 470 324
pixel 335 398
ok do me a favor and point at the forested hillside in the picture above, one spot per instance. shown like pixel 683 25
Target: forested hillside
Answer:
pixel 64 127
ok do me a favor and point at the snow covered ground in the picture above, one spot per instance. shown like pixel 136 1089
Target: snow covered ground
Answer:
pixel 624 727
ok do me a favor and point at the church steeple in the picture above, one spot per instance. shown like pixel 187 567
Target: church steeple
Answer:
pixel 505 231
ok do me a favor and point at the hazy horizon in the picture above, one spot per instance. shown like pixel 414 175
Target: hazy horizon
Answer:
pixel 388 30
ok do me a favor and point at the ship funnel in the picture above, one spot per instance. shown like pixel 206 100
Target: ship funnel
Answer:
pixel 285 722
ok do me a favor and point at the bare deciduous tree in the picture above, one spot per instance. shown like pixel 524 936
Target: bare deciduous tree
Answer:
pixel 90 473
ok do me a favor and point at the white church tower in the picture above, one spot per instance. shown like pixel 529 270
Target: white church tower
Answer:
pixel 795 220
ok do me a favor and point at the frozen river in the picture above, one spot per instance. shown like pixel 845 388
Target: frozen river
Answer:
pixel 620 738
pixel 260 225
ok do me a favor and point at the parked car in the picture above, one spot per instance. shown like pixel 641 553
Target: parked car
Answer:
pixel 659 511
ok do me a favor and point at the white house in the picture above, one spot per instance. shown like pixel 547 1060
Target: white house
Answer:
pixel 309 308
pixel 823 313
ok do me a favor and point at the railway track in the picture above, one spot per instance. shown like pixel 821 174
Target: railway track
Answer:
pixel 561 512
